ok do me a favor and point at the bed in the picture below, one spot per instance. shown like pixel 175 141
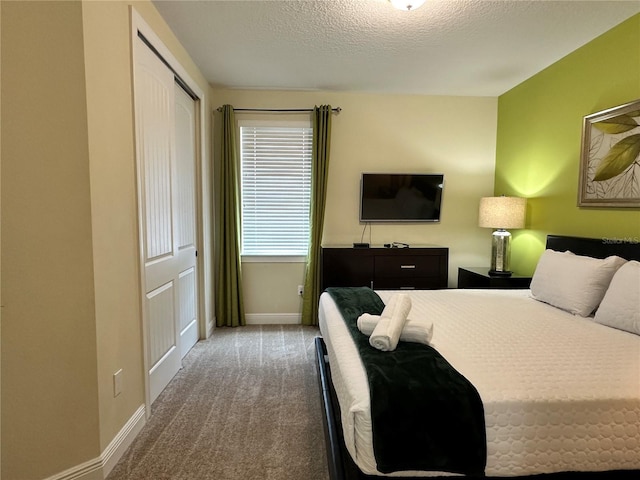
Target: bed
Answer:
pixel 560 391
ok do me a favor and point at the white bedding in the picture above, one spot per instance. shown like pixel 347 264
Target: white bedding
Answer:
pixel 560 392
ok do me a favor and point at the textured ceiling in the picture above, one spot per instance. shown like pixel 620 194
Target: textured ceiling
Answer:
pixel 446 47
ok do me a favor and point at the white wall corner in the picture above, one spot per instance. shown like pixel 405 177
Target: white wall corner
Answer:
pixel 211 325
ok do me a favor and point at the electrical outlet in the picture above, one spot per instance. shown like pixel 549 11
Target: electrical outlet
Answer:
pixel 300 290
pixel 117 383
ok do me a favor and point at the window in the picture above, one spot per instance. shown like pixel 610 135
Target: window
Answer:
pixel 275 188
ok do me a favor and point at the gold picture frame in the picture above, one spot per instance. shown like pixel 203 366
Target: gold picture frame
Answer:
pixel 610 158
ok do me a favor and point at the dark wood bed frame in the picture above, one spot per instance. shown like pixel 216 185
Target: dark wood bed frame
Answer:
pixel 340 464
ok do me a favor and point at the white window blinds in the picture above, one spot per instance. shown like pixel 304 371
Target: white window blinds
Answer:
pixel 276 188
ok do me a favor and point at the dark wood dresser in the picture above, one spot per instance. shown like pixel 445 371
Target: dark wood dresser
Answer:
pixel 415 268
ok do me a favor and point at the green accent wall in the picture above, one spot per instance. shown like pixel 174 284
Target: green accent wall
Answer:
pixel 539 140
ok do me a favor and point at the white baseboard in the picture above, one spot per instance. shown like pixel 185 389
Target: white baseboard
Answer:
pixel 273 318
pixel 91 470
pixel 100 467
pixel 115 450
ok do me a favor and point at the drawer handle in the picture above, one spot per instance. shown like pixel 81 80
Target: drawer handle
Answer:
pixel 407 267
pixel 407 288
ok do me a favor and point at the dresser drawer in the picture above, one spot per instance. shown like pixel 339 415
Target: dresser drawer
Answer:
pixel 407 283
pixel 402 266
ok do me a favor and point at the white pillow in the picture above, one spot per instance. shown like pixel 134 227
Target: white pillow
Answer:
pixel 620 307
pixel 574 283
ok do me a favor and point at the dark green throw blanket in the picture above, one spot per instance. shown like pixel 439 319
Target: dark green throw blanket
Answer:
pixel 425 415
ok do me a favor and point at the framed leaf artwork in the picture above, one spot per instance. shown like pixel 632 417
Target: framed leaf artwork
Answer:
pixel 610 159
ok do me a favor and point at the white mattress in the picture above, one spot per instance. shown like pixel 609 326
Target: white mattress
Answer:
pixel 560 393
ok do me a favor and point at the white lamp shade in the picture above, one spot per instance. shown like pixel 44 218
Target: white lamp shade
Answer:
pixel 502 212
pixel 407 4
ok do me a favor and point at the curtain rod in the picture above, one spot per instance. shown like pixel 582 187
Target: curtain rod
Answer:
pixel 279 110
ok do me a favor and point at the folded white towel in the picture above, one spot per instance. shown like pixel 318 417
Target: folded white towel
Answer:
pixel 391 305
pixel 386 334
pixel 413 331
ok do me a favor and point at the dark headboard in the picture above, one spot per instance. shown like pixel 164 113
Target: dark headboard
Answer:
pixel 627 248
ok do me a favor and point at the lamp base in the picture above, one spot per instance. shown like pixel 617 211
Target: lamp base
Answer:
pixel 500 253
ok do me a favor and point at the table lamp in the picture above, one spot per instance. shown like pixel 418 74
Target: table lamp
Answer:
pixel 501 213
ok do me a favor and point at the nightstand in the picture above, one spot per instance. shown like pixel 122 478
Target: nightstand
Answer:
pixel 478 277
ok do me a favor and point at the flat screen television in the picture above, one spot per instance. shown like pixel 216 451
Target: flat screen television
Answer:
pixel 394 197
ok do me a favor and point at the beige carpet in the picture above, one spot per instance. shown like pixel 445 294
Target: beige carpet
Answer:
pixel 245 406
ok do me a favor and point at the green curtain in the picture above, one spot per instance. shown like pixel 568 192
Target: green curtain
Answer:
pixel 229 305
pixel 319 173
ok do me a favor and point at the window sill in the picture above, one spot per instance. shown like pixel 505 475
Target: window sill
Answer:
pixel 273 259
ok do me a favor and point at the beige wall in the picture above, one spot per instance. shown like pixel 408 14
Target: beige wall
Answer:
pixel 70 278
pixel 50 391
pixel 387 133
pixel 0 259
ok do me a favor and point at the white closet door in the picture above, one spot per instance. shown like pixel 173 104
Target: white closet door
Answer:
pixel 185 200
pixel 167 205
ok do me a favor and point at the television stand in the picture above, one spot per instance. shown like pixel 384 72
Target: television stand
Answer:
pixel 380 268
